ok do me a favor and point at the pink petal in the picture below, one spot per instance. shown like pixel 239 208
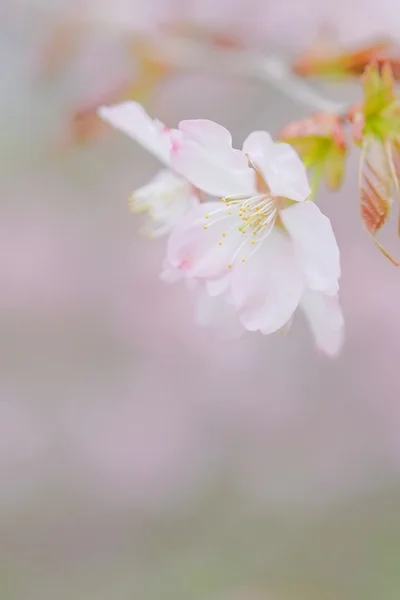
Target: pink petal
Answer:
pixel 196 251
pixel 132 119
pixel 326 321
pixel 210 173
pixel 315 245
pixel 206 133
pixel 279 164
pixel 216 287
pixel 214 139
pixel 258 144
pixel 165 199
pixel 169 274
pixel 267 287
pixel 206 158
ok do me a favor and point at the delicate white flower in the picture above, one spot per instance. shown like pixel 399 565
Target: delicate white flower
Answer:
pixel 168 196
pixel 165 199
pixel 265 245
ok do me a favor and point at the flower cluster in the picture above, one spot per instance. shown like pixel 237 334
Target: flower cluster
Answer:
pixel 243 233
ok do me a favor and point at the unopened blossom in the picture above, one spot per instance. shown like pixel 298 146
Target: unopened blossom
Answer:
pixel 264 247
pixel 168 196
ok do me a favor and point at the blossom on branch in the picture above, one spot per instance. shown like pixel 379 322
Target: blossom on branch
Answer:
pixel 257 252
pixel 263 247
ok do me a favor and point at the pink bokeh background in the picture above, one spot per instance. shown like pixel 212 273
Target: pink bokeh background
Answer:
pixel 140 456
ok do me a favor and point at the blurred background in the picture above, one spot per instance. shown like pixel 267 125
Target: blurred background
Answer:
pixel 140 458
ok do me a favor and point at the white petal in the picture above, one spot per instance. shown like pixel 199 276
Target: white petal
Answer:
pixel 215 140
pixel 216 287
pixel 206 133
pixel 218 315
pixel 326 321
pixel 207 172
pixel 169 274
pixel 267 287
pixel 206 158
pixel 132 119
pixel 196 250
pixel 258 143
pixel 166 199
pixel 315 245
pixel 279 164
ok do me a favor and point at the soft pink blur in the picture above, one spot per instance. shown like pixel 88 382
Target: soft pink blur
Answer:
pixel 141 457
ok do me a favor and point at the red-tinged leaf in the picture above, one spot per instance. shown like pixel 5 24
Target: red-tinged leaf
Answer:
pixel 339 63
pixel 392 60
pixel 59 48
pixel 395 157
pixel 320 142
pixel 379 114
pixel 355 116
pixel 379 92
pixel 320 125
pixel 334 167
pixel 376 189
pixel 376 186
pixel 84 126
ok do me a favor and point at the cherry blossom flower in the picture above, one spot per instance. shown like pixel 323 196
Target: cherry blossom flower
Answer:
pixel 168 196
pixel 265 248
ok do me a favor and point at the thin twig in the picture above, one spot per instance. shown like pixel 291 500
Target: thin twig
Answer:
pixel 185 53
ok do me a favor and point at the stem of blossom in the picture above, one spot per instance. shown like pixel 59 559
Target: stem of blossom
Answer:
pixel 185 53
pixel 389 154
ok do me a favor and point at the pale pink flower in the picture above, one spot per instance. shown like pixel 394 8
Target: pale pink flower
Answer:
pixel 265 248
pixel 168 196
